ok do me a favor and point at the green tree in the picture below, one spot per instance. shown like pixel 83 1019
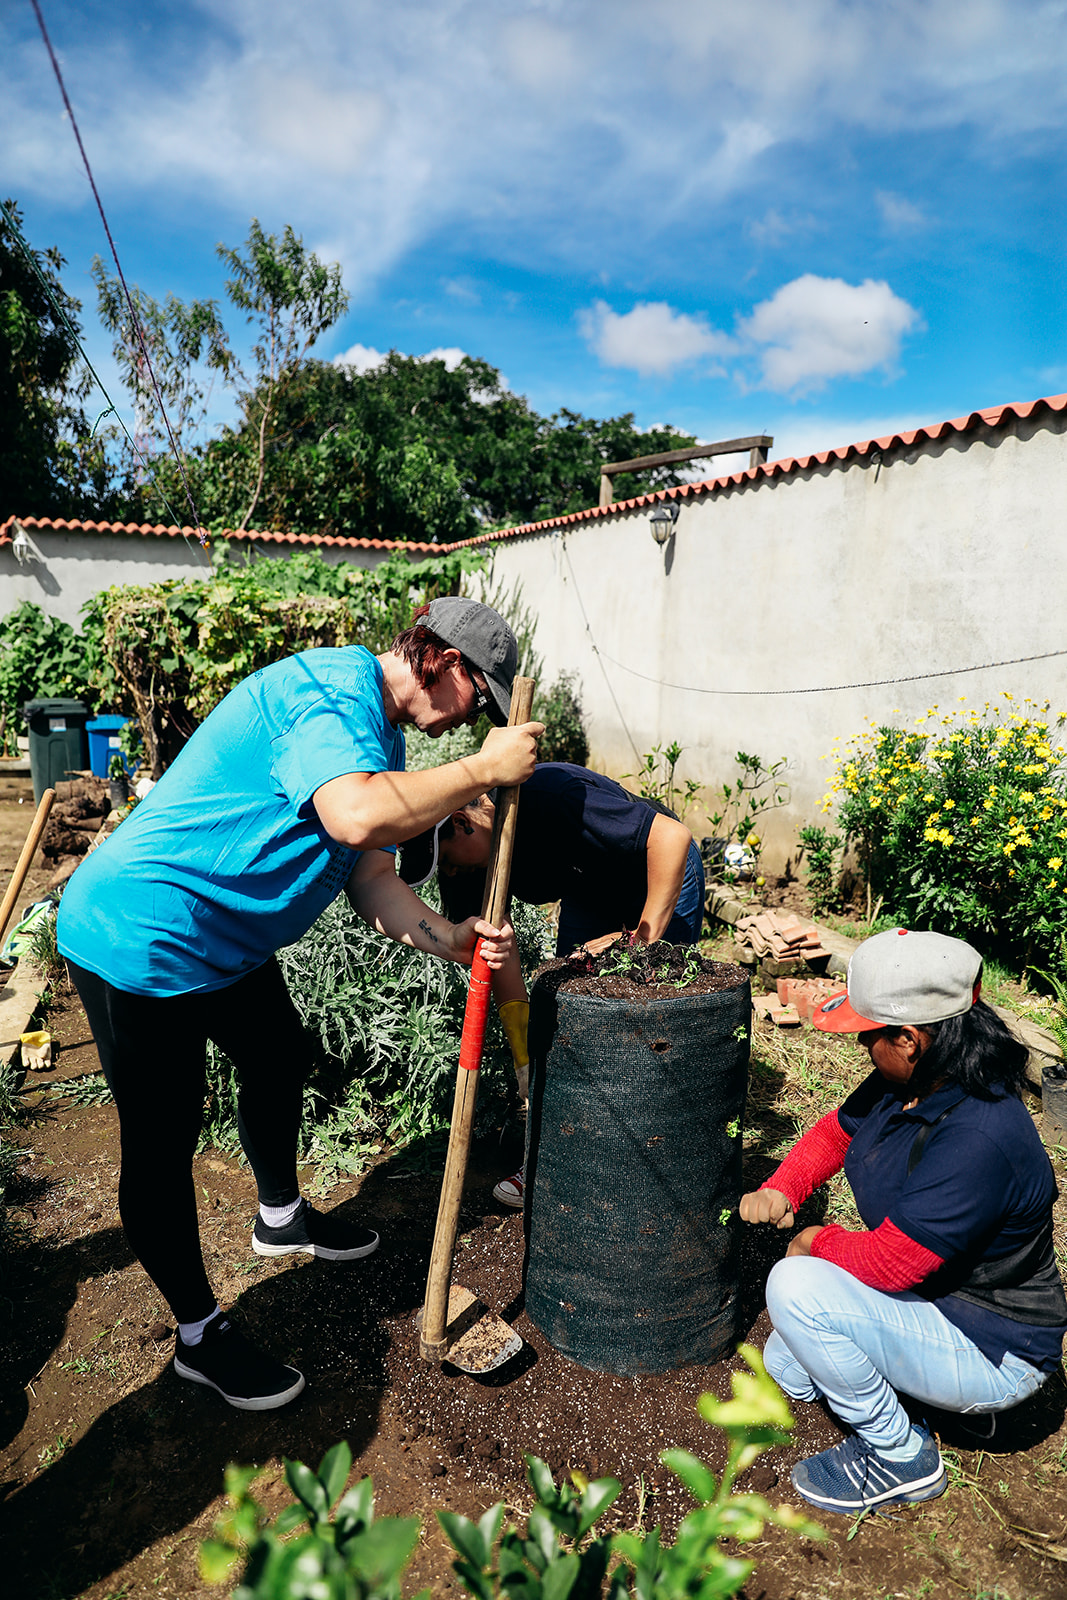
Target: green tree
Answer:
pixel 415 450
pixel 293 297
pixel 167 343
pixel 50 463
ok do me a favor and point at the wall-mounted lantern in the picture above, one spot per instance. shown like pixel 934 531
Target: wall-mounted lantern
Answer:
pixel 662 521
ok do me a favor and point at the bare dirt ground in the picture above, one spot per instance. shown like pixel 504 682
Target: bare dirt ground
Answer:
pixel 111 1467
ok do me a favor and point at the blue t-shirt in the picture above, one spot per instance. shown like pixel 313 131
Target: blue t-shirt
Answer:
pixel 226 861
pixel 981 1188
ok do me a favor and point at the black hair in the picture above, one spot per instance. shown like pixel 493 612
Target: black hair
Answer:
pixel 461 893
pixel 976 1050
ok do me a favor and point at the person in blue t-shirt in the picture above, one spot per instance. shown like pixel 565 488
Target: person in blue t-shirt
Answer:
pixel 292 790
pixel 951 1294
pixel 612 859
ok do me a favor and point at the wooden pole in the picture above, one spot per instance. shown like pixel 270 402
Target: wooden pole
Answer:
pixel 22 867
pixel 433 1340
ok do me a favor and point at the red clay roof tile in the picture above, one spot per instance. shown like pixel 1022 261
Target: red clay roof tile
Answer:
pixel 988 417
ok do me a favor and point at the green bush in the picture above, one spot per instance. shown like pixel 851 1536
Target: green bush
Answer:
pixel 41 658
pixel 823 851
pixel 167 653
pixel 347 1555
pixel 960 824
pixel 386 1023
pixel 560 709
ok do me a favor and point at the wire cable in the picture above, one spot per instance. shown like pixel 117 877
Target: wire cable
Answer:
pixel 599 654
pixel 75 337
pixel 201 531
pixel 826 688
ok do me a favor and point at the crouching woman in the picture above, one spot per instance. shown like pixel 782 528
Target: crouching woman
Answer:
pixel 950 1294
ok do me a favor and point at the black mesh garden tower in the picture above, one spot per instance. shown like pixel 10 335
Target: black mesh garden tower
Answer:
pixel 634 1174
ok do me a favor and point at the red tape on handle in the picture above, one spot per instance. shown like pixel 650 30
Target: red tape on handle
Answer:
pixel 476 1013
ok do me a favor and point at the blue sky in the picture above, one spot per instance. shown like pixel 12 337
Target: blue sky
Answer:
pixel 820 219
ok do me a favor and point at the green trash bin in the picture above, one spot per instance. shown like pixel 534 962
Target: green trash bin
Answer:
pixel 59 744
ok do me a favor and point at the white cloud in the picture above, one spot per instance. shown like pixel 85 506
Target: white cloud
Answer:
pixel 379 126
pixel 652 339
pixel 360 357
pixel 811 330
pixel 898 214
pixel 814 329
pixel 451 355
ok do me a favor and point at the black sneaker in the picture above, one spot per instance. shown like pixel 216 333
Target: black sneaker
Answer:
pixel 312 1234
pixel 226 1362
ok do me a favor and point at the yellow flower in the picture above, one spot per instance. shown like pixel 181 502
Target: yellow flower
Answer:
pixel 1009 848
pixel 1055 862
pixel 1045 814
pixel 987 805
pixel 929 797
pixel 949 804
pixel 946 837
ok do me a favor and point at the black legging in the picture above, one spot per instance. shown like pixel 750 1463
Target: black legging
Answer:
pixel 152 1051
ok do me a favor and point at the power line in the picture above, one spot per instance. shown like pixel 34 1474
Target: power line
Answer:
pixel 73 334
pixel 201 532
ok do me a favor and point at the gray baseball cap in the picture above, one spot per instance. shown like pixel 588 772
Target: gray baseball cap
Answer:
pixel 900 977
pixel 484 639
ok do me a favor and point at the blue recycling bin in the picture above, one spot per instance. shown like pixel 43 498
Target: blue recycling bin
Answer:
pixel 104 743
pixel 58 745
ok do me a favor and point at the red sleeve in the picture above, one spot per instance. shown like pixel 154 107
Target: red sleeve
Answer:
pixel 884 1259
pixel 813 1159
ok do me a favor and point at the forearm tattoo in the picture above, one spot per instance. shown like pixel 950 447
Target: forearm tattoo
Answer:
pixel 428 931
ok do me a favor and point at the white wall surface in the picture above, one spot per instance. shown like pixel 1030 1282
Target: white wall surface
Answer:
pixel 949 554
pixel 75 565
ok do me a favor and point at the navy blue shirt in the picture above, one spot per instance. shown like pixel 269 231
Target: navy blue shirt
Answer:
pixel 982 1187
pixel 581 838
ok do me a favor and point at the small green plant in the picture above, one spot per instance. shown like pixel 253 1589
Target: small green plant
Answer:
pixel 1057 982
pixel 656 779
pixel 51 1453
pixel 346 1555
pixel 823 851
pixel 560 709
pixel 757 789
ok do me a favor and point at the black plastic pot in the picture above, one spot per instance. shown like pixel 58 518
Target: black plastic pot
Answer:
pixel 634 1174
pixel 1054 1104
pixel 119 790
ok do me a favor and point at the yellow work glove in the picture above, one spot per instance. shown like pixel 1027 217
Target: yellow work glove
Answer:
pixel 515 1017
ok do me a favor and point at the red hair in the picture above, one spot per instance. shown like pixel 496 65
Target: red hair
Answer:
pixel 423 650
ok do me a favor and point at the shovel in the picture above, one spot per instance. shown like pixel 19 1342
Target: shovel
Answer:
pixel 455 1325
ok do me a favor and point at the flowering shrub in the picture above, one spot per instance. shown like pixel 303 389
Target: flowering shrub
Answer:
pixel 960 824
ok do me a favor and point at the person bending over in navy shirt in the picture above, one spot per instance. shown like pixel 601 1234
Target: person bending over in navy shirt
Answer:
pixel 613 860
pixel 292 791
pixel 951 1294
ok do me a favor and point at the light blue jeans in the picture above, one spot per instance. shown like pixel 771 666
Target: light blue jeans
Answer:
pixel 837 1339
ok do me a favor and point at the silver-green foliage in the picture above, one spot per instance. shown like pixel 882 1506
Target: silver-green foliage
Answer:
pixel 385 1023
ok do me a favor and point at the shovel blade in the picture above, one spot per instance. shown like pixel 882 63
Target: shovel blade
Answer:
pixel 477 1339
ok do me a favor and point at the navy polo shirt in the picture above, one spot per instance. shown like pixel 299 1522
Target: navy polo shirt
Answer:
pixel 982 1187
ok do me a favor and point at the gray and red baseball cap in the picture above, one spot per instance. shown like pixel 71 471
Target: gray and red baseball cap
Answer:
pixel 899 978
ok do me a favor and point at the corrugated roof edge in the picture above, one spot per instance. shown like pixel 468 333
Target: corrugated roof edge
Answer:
pixel 253 535
pixel 988 417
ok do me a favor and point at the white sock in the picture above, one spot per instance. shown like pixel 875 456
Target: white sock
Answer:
pixel 193 1332
pixel 280 1216
pixel 906 1451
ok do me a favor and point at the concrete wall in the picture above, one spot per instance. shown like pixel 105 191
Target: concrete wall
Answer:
pixel 943 555
pixel 74 565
